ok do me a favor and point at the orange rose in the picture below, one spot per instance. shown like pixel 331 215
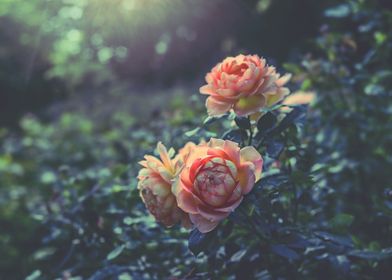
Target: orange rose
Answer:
pixel 245 84
pixel 155 181
pixel 215 177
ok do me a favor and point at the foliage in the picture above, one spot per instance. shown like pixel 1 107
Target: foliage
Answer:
pixel 70 201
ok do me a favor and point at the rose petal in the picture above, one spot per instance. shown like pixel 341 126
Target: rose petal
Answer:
pixel 217 108
pixel 211 214
pixel 232 150
pixel 233 204
pixel 248 105
pixel 251 154
pixel 164 156
pixel 246 178
pixel 283 80
pixel 202 224
pixel 187 202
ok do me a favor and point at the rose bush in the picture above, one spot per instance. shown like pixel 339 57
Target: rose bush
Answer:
pixel 155 181
pixel 214 179
pixel 244 84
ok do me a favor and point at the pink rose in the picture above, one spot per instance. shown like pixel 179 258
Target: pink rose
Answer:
pixel 245 84
pixel 215 177
pixel 155 183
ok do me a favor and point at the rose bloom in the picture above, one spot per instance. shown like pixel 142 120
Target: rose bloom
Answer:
pixel 215 177
pixel 155 183
pixel 245 84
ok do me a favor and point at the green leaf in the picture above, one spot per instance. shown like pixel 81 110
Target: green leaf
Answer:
pixel 306 84
pixel 266 122
pixel 292 68
pixel 242 122
pixel 296 116
pixel 115 253
pixel 192 132
pixel 284 251
pixel 271 181
pixel 338 11
pixel 380 37
pixel 238 255
pixel 341 220
pixel 199 242
pixel 340 240
pixel 34 275
pixel 274 148
pixel 125 276
pixel 209 120
pixel 44 253
pixel 236 135
pixel 369 255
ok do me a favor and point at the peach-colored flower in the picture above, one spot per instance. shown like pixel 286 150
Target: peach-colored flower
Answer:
pixel 215 177
pixel 245 84
pixel 155 182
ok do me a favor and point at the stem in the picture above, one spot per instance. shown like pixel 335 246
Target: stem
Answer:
pixel 294 190
pixel 252 225
pixel 295 215
pixel 260 143
pixel 250 132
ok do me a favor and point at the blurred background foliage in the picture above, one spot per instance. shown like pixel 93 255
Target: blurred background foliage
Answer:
pixel 51 50
pixel 88 87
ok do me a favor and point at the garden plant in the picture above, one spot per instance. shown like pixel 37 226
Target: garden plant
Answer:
pixel 262 169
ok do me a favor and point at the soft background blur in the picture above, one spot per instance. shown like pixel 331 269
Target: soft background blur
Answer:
pixel 87 87
pixel 69 51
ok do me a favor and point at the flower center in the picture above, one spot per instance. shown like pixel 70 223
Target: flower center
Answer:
pixel 215 182
pixel 238 69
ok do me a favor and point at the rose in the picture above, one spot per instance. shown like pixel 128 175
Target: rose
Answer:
pixel 155 183
pixel 245 84
pixel 214 178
